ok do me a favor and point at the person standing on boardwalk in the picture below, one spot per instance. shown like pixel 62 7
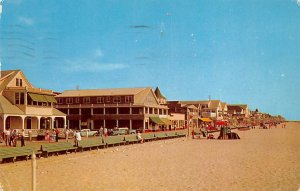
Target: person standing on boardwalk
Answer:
pixel 7 137
pixel 56 134
pixel 105 132
pixel 67 135
pixel 77 138
pixel 23 138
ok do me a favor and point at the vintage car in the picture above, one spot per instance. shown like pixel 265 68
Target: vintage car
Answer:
pixel 88 132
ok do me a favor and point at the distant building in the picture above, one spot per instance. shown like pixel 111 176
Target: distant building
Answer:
pixel 188 108
pixel 23 106
pixel 135 108
pixel 238 110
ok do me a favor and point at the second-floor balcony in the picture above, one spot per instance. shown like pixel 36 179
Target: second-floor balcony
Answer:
pixel 209 114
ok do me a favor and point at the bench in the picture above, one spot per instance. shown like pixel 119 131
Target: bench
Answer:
pixel 114 140
pixel 181 133
pixel 132 139
pixel 15 153
pixel 172 134
pixel 56 148
pixel 90 144
pixel 161 135
pixel 148 136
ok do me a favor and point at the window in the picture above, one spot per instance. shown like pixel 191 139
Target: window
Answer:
pixel 69 100
pixel 77 100
pixel 108 99
pixel 128 99
pixel 60 100
pixel 86 99
pixel 19 98
pixel 100 99
pixel 117 99
pixel 19 82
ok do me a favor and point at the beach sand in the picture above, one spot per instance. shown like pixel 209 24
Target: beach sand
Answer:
pixel 263 159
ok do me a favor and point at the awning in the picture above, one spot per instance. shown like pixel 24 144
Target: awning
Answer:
pixel 50 98
pixel 37 97
pixel 205 119
pixel 157 120
pixel 165 121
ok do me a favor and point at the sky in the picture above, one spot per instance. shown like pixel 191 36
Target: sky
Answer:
pixel 238 51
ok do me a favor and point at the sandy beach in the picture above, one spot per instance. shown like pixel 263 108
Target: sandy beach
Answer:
pixel 263 159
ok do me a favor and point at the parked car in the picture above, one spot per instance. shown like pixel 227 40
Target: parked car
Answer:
pixel 88 132
pixel 123 131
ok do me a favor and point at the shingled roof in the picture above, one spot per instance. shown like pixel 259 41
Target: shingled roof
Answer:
pixel 158 93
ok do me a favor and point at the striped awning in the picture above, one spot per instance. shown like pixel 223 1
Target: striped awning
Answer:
pixel 42 98
pixel 160 121
pixel 37 97
pixel 165 121
pixel 157 120
pixel 50 99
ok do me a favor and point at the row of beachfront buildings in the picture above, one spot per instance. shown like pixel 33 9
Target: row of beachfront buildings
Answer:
pixel 22 106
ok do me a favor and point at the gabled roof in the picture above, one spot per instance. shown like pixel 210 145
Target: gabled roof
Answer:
pixel 141 96
pixel 8 75
pixel 244 106
pixel 234 108
pixel 223 104
pixel 214 104
pixel 159 94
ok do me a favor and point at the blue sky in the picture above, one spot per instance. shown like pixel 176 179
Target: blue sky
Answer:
pixel 239 51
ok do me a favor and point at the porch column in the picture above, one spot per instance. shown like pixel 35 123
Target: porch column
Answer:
pixel 38 122
pixel 104 124
pixel 117 123
pixel 52 122
pixel 130 124
pixel 65 121
pixel 92 124
pixel 23 121
pixel 4 120
pixel 144 125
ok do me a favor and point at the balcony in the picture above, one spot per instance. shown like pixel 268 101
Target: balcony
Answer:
pixel 209 114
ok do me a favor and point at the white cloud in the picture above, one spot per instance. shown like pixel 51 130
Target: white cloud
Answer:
pixel 91 63
pixel 91 66
pixel 26 20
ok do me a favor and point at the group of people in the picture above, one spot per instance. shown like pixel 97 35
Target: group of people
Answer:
pixel 11 137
